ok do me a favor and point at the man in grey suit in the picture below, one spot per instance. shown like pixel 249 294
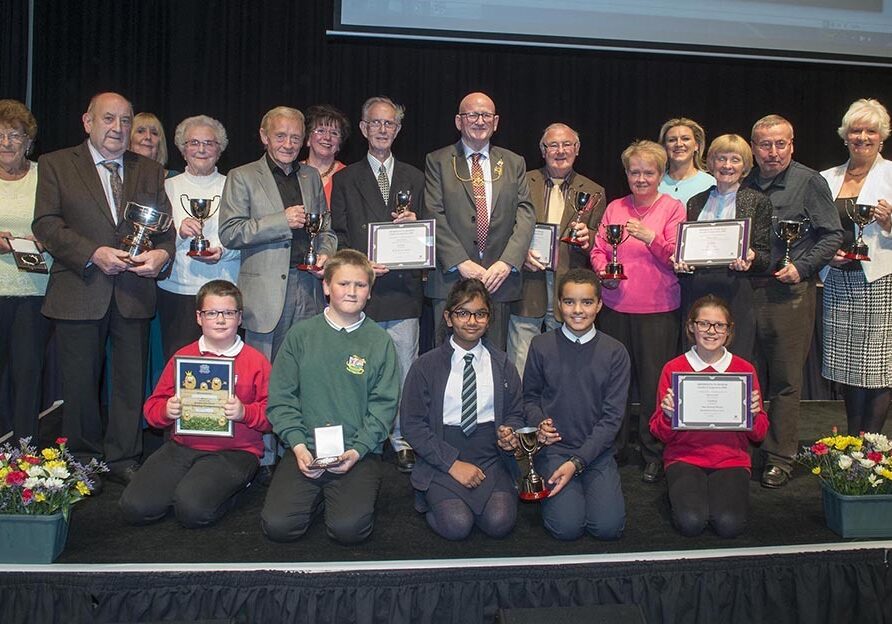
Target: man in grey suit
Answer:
pixel 363 193
pixel 479 196
pixel 553 189
pixel 263 213
pixel 98 292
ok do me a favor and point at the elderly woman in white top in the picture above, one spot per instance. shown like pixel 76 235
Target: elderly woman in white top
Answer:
pixel 858 293
pixel 201 140
pixel 24 330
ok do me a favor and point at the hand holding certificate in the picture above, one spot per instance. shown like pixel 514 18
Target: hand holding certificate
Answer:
pixel 204 388
pixel 711 401
pixel 712 243
pixel 403 244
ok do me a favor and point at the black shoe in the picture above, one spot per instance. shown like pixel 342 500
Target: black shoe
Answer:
pixel 122 475
pixel 405 460
pixel 774 477
pixel 653 472
pixel 264 475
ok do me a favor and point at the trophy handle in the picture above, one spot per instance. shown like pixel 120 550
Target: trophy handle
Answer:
pixel 183 204
pixel 214 211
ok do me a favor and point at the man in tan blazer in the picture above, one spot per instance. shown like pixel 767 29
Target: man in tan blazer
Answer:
pixel 484 219
pixel 263 213
pixel 553 189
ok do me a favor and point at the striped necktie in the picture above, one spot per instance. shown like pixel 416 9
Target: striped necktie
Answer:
pixel 468 397
pixel 117 186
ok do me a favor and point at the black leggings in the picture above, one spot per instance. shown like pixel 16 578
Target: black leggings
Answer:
pixel 698 495
pixel 866 408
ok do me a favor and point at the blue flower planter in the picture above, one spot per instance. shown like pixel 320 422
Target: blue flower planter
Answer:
pixel 32 539
pixel 857 516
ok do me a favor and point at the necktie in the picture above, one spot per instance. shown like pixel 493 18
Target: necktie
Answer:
pixel 555 202
pixel 478 187
pixel 383 184
pixel 468 397
pixel 117 186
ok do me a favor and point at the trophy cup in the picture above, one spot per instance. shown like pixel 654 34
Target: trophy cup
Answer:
pixel 862 216
pixel 789 231
pixel 313 225
pixel 145 221
pixel 403 201
pixel 532 486
pixel 581 204
pixel 615 235
pixel 200 210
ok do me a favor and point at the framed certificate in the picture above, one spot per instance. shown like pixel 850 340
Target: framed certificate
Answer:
pixel 545 238
pixel 27 256
pixel 203 386
pixel 712 401
pixel 712 243
pixel 407 245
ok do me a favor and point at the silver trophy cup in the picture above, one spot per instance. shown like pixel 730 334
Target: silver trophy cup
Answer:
pixel 145 221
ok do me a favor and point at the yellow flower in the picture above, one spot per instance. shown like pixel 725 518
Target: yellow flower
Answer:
pixel 40 497
pixel 883 472
pixel 816 470
pixel 54 464
pixel 4 471
pixel 49 453
pixel 82 488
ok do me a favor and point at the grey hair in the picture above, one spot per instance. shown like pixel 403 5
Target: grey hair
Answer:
pixel 555 126
pixel 179 135
pixel 866 111
pixel 399 109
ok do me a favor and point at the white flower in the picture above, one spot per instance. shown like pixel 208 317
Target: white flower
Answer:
pixel 32 482
pixel 867 463
pixel 857 455
pixel 59 472
pixel 36 471
pixel 874 480
pixel 879 442
pixel 844 461
pixel 54 484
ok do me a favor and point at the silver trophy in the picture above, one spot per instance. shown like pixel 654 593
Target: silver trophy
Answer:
pixel 861 215
pixel 200 210
pixel 532 486
pixel 403 201
pixel 145 221
pixel 788 231
pixel 314 224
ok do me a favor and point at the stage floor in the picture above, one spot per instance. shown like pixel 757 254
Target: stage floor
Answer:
pixel 786 520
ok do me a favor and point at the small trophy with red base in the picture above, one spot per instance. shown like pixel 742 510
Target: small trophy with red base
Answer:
pixel 200 210
pixel 532 486
pixel 615 235
pixel 861 215
pixel 582 203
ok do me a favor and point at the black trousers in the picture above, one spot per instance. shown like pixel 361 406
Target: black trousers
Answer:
pixel 176 314
pixel 651 340
pixel 82 356
pixel 200 486
pixel 699 496
pixel 24 333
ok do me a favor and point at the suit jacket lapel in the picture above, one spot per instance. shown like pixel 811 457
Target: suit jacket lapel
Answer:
pixel 537 192
pixel 371 193
pixel 495 157
pixel 268 184
pixel 130 180
pixel 86 168
pixel 464 173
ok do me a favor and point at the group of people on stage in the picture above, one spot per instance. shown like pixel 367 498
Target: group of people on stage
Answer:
pixel 333 340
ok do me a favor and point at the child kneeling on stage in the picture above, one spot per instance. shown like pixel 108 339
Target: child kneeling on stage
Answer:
pixel 460 404
pixel 201 476
pixel 575 387
pixel 708 472
pixel 336 368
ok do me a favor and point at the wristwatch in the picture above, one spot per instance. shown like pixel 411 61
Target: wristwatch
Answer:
pixel 580 466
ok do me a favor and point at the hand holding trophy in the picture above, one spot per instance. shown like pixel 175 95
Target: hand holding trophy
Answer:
pixel 861 215
pixel 582 203
pixel 615 235
pixel 403 201
pixel 201 211
pixel 789 231
pixel 144 221
pixel 315 223
pixel 532 486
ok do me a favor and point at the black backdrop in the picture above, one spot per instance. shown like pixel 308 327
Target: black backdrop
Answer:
pixel 235 59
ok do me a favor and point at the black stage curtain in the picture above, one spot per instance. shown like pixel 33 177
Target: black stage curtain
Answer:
pixel 13 49
pixel 235 59
pixel 831 587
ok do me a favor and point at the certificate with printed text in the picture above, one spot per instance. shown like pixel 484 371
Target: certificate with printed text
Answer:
pixel 712 243
pixel 203 385
pixel 545 237
pixel 712 401
pixel 406 245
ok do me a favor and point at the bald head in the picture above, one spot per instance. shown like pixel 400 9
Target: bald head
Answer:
pixel 476 120
pixel 108 120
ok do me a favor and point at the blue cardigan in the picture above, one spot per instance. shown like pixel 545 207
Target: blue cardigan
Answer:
pixel 421 409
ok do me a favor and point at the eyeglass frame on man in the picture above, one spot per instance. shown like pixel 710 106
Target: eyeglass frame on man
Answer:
pixel 555 146
pixel 376 124
pixel 473 117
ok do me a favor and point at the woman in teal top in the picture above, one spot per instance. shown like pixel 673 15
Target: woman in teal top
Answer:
pixel 685 143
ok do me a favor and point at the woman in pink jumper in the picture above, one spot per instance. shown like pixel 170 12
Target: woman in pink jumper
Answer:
pixel 642 311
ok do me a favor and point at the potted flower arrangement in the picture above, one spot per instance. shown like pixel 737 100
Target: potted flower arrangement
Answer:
pixel 856 482
pixel 37 490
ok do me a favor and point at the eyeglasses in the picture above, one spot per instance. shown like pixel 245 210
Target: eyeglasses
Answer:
pixel 473 117
pixel 765 146
pixel 553 147
pixel 195 144
pixel 376 124
pixel 464 315
pixel 14 137
pixel 332 132
pixel 212 315
pixel 719 328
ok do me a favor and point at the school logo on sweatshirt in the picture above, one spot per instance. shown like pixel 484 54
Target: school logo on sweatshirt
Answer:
pixel 356 365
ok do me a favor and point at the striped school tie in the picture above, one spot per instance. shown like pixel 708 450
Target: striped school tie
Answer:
pixel 469 397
